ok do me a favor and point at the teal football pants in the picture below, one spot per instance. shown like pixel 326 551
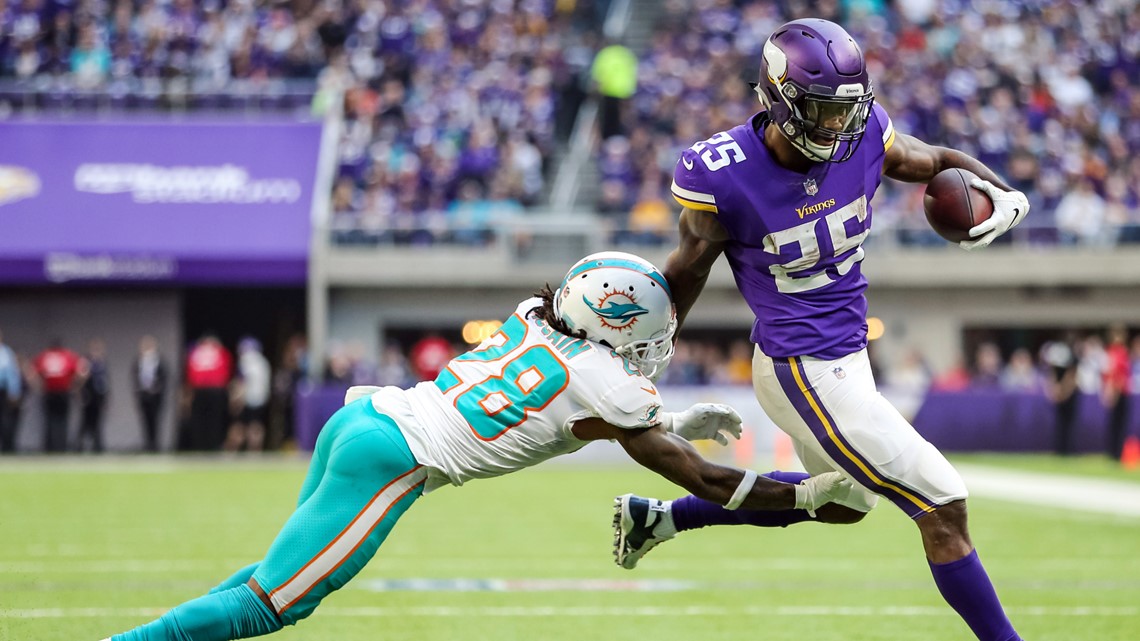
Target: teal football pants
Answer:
pixel 361 480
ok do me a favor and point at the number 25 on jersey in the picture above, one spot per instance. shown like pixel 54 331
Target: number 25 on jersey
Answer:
pixel 717 152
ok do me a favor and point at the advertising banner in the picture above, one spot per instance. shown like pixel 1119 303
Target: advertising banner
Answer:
pixel 156 201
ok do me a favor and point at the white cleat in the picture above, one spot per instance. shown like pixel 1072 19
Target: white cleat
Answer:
pixel 635 519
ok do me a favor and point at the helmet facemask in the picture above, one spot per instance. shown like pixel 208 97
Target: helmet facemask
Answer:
pixel 815 86
pixel 651 355
pixel 823 127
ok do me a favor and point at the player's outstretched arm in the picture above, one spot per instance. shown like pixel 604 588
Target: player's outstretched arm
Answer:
pixel 673 458
pixel 702 240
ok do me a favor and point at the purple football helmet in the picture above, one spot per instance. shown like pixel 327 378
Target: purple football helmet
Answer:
pixel 814 82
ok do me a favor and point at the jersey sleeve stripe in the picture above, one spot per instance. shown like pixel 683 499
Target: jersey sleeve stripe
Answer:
pixel 693 205
pixel 888 135
pixel 693 196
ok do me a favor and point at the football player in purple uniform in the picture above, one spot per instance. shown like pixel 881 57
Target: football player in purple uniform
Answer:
pixel 786 197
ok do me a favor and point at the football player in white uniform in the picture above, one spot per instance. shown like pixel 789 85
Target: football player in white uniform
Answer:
pixel 568 367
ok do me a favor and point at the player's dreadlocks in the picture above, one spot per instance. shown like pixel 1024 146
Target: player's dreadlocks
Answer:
pixel 546 313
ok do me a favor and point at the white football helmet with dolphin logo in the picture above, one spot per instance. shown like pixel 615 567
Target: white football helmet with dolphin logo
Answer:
pixel 624 302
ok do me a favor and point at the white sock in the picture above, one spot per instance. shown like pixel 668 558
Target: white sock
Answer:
pixel 665 529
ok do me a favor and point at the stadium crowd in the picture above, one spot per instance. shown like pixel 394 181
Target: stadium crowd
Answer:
pixel 163 54
pixel 244 400
pixel 451 110
pixel 1046 92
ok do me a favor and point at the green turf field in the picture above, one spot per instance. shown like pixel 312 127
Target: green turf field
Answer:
pixel 89 550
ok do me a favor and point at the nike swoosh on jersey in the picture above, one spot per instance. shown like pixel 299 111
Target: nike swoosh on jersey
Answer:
pixel 651 391
pixel 687 163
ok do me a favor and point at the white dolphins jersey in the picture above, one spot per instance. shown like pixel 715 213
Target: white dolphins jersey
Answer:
pixel 509 403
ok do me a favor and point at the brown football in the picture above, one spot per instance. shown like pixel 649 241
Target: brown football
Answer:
pixel 953 207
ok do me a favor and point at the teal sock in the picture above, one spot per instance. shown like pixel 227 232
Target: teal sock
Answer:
pixel 236 613
pixel 240 577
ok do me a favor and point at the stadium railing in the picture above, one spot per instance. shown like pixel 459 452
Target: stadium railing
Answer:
pixel 60 95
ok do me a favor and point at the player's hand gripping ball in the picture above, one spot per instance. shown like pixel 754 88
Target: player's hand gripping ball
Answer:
pixel 972 212
pixel 953 207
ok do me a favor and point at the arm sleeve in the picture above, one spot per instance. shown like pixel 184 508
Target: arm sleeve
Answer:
pixel 691 186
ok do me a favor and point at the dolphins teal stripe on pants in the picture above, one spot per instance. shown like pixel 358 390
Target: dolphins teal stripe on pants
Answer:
pixel 361 480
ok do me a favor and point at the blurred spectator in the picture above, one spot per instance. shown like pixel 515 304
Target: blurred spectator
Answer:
pixel 954 379
pixel 686 368
pixel 90 59
pixel 1117 389
pixel 911 375
pixel 1081 215
pixel 429 356
pixel 738 370
pixel 11 384
pixel 1020 374
pixel 1061 361
pixel 249 398
pixel 1091 364
pixel 987 366
pixel 1135 384
pixel 56 369
pixel 291 371
pixel 93 395
pixel 208 370
pixel 651 220
pixel 149 378
pixel 393 369
pixel 615 74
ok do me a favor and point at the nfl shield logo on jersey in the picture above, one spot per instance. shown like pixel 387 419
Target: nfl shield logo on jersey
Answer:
pixel 810 187
pixel 839 373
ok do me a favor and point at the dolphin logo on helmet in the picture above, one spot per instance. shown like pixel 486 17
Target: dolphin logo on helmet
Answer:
pixel 623 302
pixel 621 314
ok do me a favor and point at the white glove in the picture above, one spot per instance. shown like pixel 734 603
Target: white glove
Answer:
pixel 704 421
pixel 816 491
pixel 357 392
pixel 1010 208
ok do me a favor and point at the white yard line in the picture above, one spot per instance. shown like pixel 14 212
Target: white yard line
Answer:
pixel 615 611
pixel 1080 493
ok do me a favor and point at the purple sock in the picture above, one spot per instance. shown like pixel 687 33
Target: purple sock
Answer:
pixel 967 588
pixel 690 513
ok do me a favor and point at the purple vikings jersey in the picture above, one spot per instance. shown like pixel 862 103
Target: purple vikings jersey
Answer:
pixel 794 239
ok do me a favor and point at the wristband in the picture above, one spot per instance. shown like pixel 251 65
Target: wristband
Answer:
pixel 742 490
pixel 666 421
pixel 804 498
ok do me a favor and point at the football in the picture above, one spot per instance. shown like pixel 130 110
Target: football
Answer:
pixel 953 207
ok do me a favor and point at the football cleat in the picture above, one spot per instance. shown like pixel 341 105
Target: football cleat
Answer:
pixel 635 519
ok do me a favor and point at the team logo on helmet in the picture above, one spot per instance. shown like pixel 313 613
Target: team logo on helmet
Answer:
pixel 617 310
pixel 777 62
